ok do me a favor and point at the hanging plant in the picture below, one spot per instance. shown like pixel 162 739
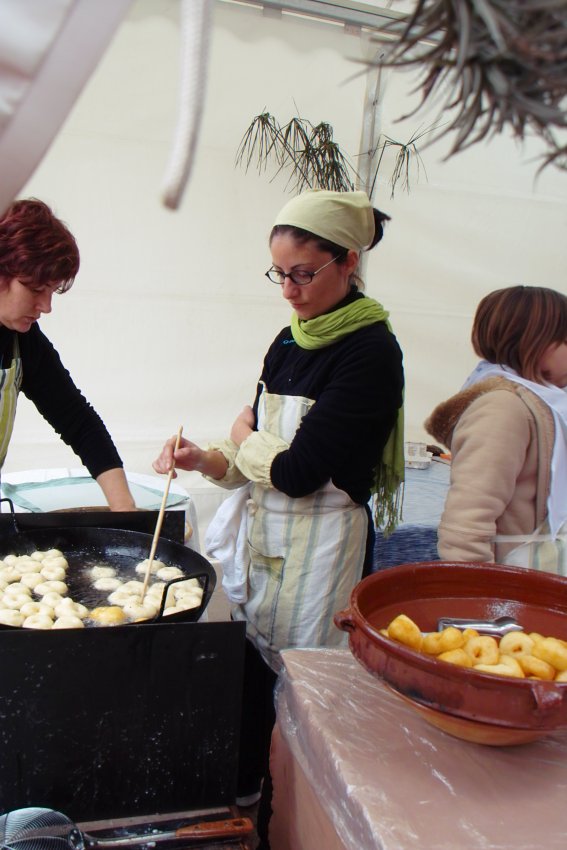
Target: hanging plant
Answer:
pixel 309 152
pixel 408 155
pixel 495 63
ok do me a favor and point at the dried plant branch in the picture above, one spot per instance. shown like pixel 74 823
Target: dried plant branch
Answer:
pixel 314 159
pixel 407 155
pixel 504 63
pixel 261 141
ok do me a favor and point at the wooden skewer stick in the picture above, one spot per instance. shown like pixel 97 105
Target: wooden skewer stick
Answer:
pixel 160 519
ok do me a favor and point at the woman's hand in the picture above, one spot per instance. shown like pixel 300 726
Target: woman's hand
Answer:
pixel 190 457
pixel 243 425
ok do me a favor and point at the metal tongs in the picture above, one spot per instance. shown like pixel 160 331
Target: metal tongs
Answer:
pixel 498 627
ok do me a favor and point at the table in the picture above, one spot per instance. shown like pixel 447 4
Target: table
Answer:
pixel 39 490
pixel 355 768
pixel 415 539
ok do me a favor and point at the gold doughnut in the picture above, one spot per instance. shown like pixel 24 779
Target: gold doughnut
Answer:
pixel 456 656
pixel 512 662
pixel 444 641
pixel 553 651
pixel 537 668
pixel 536 637
pixel 108 615
pixel 403 630
pixel 516 643
pixel 482 650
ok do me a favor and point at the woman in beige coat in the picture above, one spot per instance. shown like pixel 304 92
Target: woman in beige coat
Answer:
pixel 507 432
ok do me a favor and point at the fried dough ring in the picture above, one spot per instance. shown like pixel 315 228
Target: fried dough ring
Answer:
pixel 68 621
pixel 405 631
pixel 482 650
pixel 31 580
pixel 553 651
pixel 516 644
pixel 53 573
pixel 38 621
pixel 135 610
pixel 68 607
pixel 15 601
pixel 101 571
pixel 107 583
pixel 15 589
pixel 108 615
pixel 533 666
pixel 446 640
pixel 190 600
pixel 10 617
pixel 51 586
pixel 456 656
pixel 30 608
pixel 512 662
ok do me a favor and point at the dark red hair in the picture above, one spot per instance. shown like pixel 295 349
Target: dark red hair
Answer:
pixel 36 247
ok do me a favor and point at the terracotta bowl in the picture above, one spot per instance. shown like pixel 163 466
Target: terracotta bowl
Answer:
pixel 468 704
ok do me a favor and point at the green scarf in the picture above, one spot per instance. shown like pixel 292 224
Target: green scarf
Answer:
pixel 389 472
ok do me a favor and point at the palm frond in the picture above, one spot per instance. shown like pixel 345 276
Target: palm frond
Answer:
pixel 504 63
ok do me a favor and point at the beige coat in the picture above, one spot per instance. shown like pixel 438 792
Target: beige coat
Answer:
pixel 501 439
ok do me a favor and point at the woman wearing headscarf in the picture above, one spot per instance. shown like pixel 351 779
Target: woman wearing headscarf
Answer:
pixel 325 431
pixel 38 258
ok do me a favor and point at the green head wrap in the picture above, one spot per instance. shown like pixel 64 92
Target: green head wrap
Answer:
pixel 345 218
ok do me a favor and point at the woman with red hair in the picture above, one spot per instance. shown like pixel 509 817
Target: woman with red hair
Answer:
pixel 38 258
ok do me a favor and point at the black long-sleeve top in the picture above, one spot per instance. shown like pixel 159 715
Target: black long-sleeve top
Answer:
pixel 47 383
pixel 357 384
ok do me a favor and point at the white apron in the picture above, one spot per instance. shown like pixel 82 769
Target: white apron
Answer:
pixel 538 551
pixel 306 554
pixel 10 383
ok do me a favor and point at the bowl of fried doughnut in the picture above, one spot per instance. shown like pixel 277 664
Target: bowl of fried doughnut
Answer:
pixel 485 688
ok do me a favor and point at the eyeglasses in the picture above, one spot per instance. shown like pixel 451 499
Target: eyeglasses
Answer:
pixel 300 278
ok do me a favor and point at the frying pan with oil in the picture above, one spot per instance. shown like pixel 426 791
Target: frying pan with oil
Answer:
pixel 123 550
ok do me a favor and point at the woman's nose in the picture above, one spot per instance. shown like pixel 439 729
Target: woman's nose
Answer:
pixel 288 286
pixel 43 301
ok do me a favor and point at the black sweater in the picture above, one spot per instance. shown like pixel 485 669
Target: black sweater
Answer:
pixel 47 383
pixel 357 385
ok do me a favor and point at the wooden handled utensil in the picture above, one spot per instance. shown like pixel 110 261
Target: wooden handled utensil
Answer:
pixel 37 828
pixel 160 518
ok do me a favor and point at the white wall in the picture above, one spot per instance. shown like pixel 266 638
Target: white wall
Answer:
pixel 170 315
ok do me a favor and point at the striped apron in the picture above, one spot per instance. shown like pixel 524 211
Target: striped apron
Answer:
pixel 10 383
pixel 306 554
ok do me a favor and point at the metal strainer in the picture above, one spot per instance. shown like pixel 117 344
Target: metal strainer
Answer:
pixel 46 829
